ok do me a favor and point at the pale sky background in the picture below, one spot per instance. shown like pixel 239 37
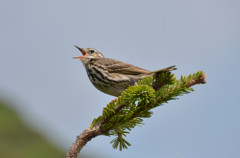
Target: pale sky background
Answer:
pixel 54 95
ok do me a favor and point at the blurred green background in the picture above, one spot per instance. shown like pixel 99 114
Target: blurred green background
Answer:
pixel 18 140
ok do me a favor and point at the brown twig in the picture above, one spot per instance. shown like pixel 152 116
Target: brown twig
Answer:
pixel 200 80
pixel 90 133
pixel 160 85
pixel 82 140
pixel 87 135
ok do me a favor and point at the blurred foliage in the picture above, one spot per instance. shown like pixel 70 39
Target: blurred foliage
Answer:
pixel 19 141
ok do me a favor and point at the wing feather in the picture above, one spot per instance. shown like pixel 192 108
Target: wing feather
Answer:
pixel 115 66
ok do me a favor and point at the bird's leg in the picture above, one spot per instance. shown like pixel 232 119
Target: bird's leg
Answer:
pixel 115 100
pixel 134 83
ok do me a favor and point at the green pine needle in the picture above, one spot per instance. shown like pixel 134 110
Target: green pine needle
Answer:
pixel 136 102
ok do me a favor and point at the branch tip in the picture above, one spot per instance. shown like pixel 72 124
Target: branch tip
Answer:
pixel 201 80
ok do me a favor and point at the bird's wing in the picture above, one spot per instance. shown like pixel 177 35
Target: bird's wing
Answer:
pixel 115 66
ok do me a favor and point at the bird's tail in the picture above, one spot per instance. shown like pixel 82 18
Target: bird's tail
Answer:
pixel 170 68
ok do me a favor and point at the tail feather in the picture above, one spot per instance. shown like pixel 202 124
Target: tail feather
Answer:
pixel 170 68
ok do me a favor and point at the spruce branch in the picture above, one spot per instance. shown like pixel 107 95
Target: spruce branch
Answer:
pixel 128 111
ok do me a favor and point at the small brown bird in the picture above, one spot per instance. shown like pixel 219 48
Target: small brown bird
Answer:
pixel 112 76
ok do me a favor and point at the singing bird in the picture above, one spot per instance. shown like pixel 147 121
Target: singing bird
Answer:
pixel 112 76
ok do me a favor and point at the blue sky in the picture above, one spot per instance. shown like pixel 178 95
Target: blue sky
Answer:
pixel 55 96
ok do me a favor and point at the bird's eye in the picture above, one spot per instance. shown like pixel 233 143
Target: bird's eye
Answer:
pixel 91 51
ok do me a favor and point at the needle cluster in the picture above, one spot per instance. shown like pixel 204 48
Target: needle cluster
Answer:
pixel 136 103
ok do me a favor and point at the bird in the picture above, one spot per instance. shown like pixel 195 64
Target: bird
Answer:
pixel 111 76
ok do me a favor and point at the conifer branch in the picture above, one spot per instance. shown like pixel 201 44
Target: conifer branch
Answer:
pixel 128 110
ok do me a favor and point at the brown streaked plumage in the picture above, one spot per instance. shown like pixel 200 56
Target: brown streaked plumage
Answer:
pixel 112 76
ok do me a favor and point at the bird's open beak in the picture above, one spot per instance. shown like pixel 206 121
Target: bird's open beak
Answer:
pixel 83 53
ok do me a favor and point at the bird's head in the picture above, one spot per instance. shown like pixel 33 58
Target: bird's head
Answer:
pixel 87 54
